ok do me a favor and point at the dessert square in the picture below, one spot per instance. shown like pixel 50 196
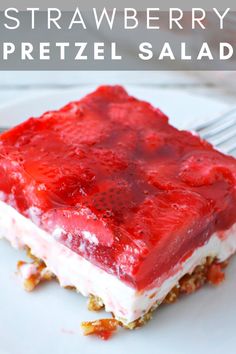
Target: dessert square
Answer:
pixel 118 203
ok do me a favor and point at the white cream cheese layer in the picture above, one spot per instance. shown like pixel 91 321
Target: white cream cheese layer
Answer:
pixel 73 270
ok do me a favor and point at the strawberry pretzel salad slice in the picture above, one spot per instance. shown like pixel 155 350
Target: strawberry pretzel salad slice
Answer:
pixel 117 203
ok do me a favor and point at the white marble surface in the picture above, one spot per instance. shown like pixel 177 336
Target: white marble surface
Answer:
pixel 20 84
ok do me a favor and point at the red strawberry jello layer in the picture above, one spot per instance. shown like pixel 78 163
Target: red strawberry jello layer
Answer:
pixel 116 201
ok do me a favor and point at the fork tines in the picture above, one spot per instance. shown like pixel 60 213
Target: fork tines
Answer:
pixel 221 131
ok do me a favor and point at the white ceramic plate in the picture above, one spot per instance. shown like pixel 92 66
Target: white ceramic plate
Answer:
pixel 48 320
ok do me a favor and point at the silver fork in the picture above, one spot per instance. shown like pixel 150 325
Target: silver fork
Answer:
pixel 220 131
